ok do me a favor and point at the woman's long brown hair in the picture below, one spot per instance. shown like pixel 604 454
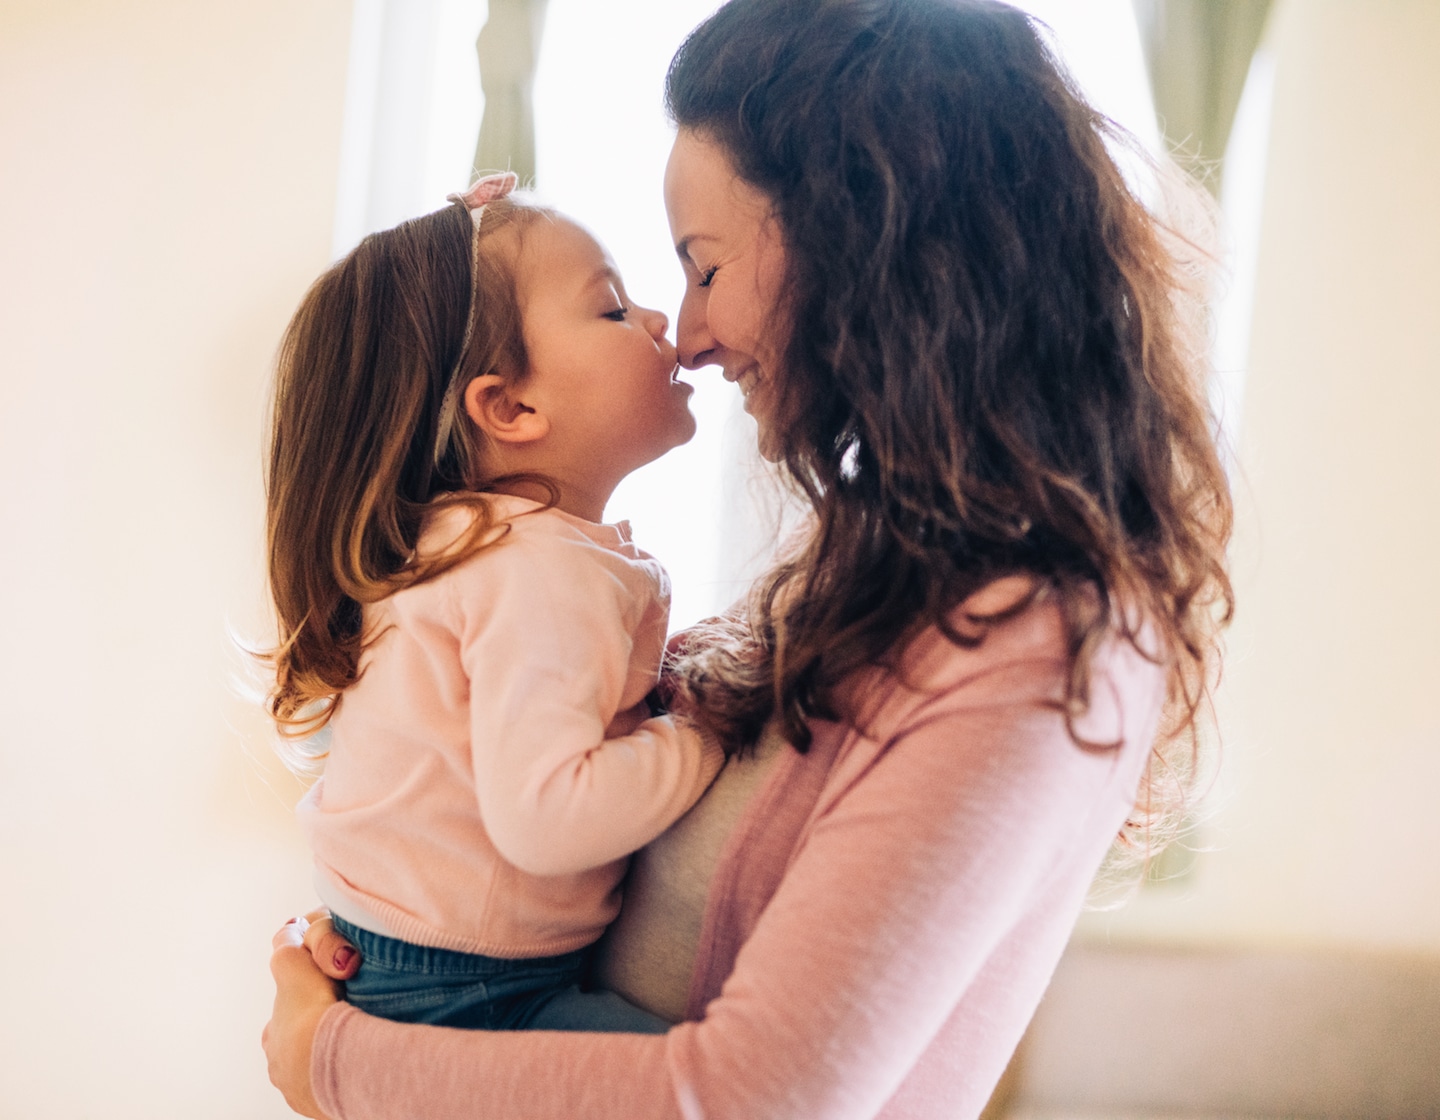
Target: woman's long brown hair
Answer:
pixel 993 369
pixel 362 371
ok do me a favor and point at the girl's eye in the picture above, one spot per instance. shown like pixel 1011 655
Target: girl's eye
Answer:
pixel 706 277
pixel 618 315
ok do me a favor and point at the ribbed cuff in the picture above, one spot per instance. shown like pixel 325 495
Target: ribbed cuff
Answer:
pixel 712 752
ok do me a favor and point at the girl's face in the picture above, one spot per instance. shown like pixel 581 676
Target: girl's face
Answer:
pixel 730 248
pixel 600 367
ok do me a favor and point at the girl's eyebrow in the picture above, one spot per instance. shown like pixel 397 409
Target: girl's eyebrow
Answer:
pixel 603 275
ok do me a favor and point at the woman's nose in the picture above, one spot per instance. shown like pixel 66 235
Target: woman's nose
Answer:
pixel 693 340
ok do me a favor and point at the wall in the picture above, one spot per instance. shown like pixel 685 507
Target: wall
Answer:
pixel 167 192
pixel 1327 827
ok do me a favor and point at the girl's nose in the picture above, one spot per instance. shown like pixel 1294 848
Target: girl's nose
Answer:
pixel 656 322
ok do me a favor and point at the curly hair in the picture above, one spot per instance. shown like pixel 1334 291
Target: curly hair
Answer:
pixel 995 366
pixel 354 464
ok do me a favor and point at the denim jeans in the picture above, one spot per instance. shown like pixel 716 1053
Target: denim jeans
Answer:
pixel 417 984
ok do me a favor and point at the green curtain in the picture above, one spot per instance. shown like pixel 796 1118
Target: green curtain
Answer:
pixel 509 48
pixel 1198 54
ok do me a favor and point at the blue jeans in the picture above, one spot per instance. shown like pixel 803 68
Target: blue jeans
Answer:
pixel 416 984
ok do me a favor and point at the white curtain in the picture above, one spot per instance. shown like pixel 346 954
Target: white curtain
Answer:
pixel 1198 54
pixel 509 48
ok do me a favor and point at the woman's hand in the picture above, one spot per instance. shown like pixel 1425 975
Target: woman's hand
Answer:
pixel 309 958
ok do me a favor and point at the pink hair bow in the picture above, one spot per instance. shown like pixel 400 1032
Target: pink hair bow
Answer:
pixel 484 191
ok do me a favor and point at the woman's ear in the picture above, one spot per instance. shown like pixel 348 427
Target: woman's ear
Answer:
pixel 492 405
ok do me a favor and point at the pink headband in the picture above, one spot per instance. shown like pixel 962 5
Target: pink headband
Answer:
pixel 484 191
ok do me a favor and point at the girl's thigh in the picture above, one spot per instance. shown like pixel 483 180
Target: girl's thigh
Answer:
pixel 574 1010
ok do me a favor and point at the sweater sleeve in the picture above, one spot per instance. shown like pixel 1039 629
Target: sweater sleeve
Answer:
pixel 904 889
pixel 548 645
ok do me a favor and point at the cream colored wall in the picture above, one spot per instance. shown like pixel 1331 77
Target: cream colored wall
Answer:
pixel 166 192
pixel 1329 828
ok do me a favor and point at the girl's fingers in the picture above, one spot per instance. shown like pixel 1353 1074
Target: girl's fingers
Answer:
pixel 336 957
pixel 291 933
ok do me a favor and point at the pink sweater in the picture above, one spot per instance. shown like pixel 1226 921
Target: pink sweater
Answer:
pixel 471 800
pixel 880 928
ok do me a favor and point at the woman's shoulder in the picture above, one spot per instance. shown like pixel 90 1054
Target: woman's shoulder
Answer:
pixel 1011 621
pixel 1008 644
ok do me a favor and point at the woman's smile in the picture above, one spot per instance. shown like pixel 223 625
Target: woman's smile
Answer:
pixel 747 380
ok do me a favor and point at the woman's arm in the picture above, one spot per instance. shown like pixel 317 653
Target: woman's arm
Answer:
pixel 898 899
pixel 302 996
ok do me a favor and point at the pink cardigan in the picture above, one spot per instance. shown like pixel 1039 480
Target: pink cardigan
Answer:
pixel 481 794
pixel 880 928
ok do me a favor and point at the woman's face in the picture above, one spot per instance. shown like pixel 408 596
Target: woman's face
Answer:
pixel 730 247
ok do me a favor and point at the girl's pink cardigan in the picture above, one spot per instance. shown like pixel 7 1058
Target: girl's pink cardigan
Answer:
pixel 880 928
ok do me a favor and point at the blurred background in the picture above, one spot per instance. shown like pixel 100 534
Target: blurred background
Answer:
pixel 175 173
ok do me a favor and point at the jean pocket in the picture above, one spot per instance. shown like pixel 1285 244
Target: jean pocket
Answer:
pixel 423 1000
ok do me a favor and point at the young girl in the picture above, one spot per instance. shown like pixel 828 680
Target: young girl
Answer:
pixel 455 402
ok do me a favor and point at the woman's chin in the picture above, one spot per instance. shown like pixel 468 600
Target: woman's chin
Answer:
pixel 767 439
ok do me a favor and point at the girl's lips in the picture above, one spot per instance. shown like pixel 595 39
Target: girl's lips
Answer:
pixel 675 380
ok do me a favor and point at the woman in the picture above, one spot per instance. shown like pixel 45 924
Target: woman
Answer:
pixel 961 337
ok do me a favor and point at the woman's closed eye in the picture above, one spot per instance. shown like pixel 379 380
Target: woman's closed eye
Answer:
pixel 618 315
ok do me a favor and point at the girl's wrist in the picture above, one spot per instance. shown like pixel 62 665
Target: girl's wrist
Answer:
pixel 712 749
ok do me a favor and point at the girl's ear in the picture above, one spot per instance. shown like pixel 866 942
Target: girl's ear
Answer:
pixel 491 403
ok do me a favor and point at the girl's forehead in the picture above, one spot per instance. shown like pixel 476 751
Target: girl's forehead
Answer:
pixel 557 251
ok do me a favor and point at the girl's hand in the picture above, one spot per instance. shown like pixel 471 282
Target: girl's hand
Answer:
pixel 628 721
pixel 304 991
pixel 333 955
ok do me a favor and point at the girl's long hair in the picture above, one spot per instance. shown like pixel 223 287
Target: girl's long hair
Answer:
pixel 363 368
pixel 997 364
